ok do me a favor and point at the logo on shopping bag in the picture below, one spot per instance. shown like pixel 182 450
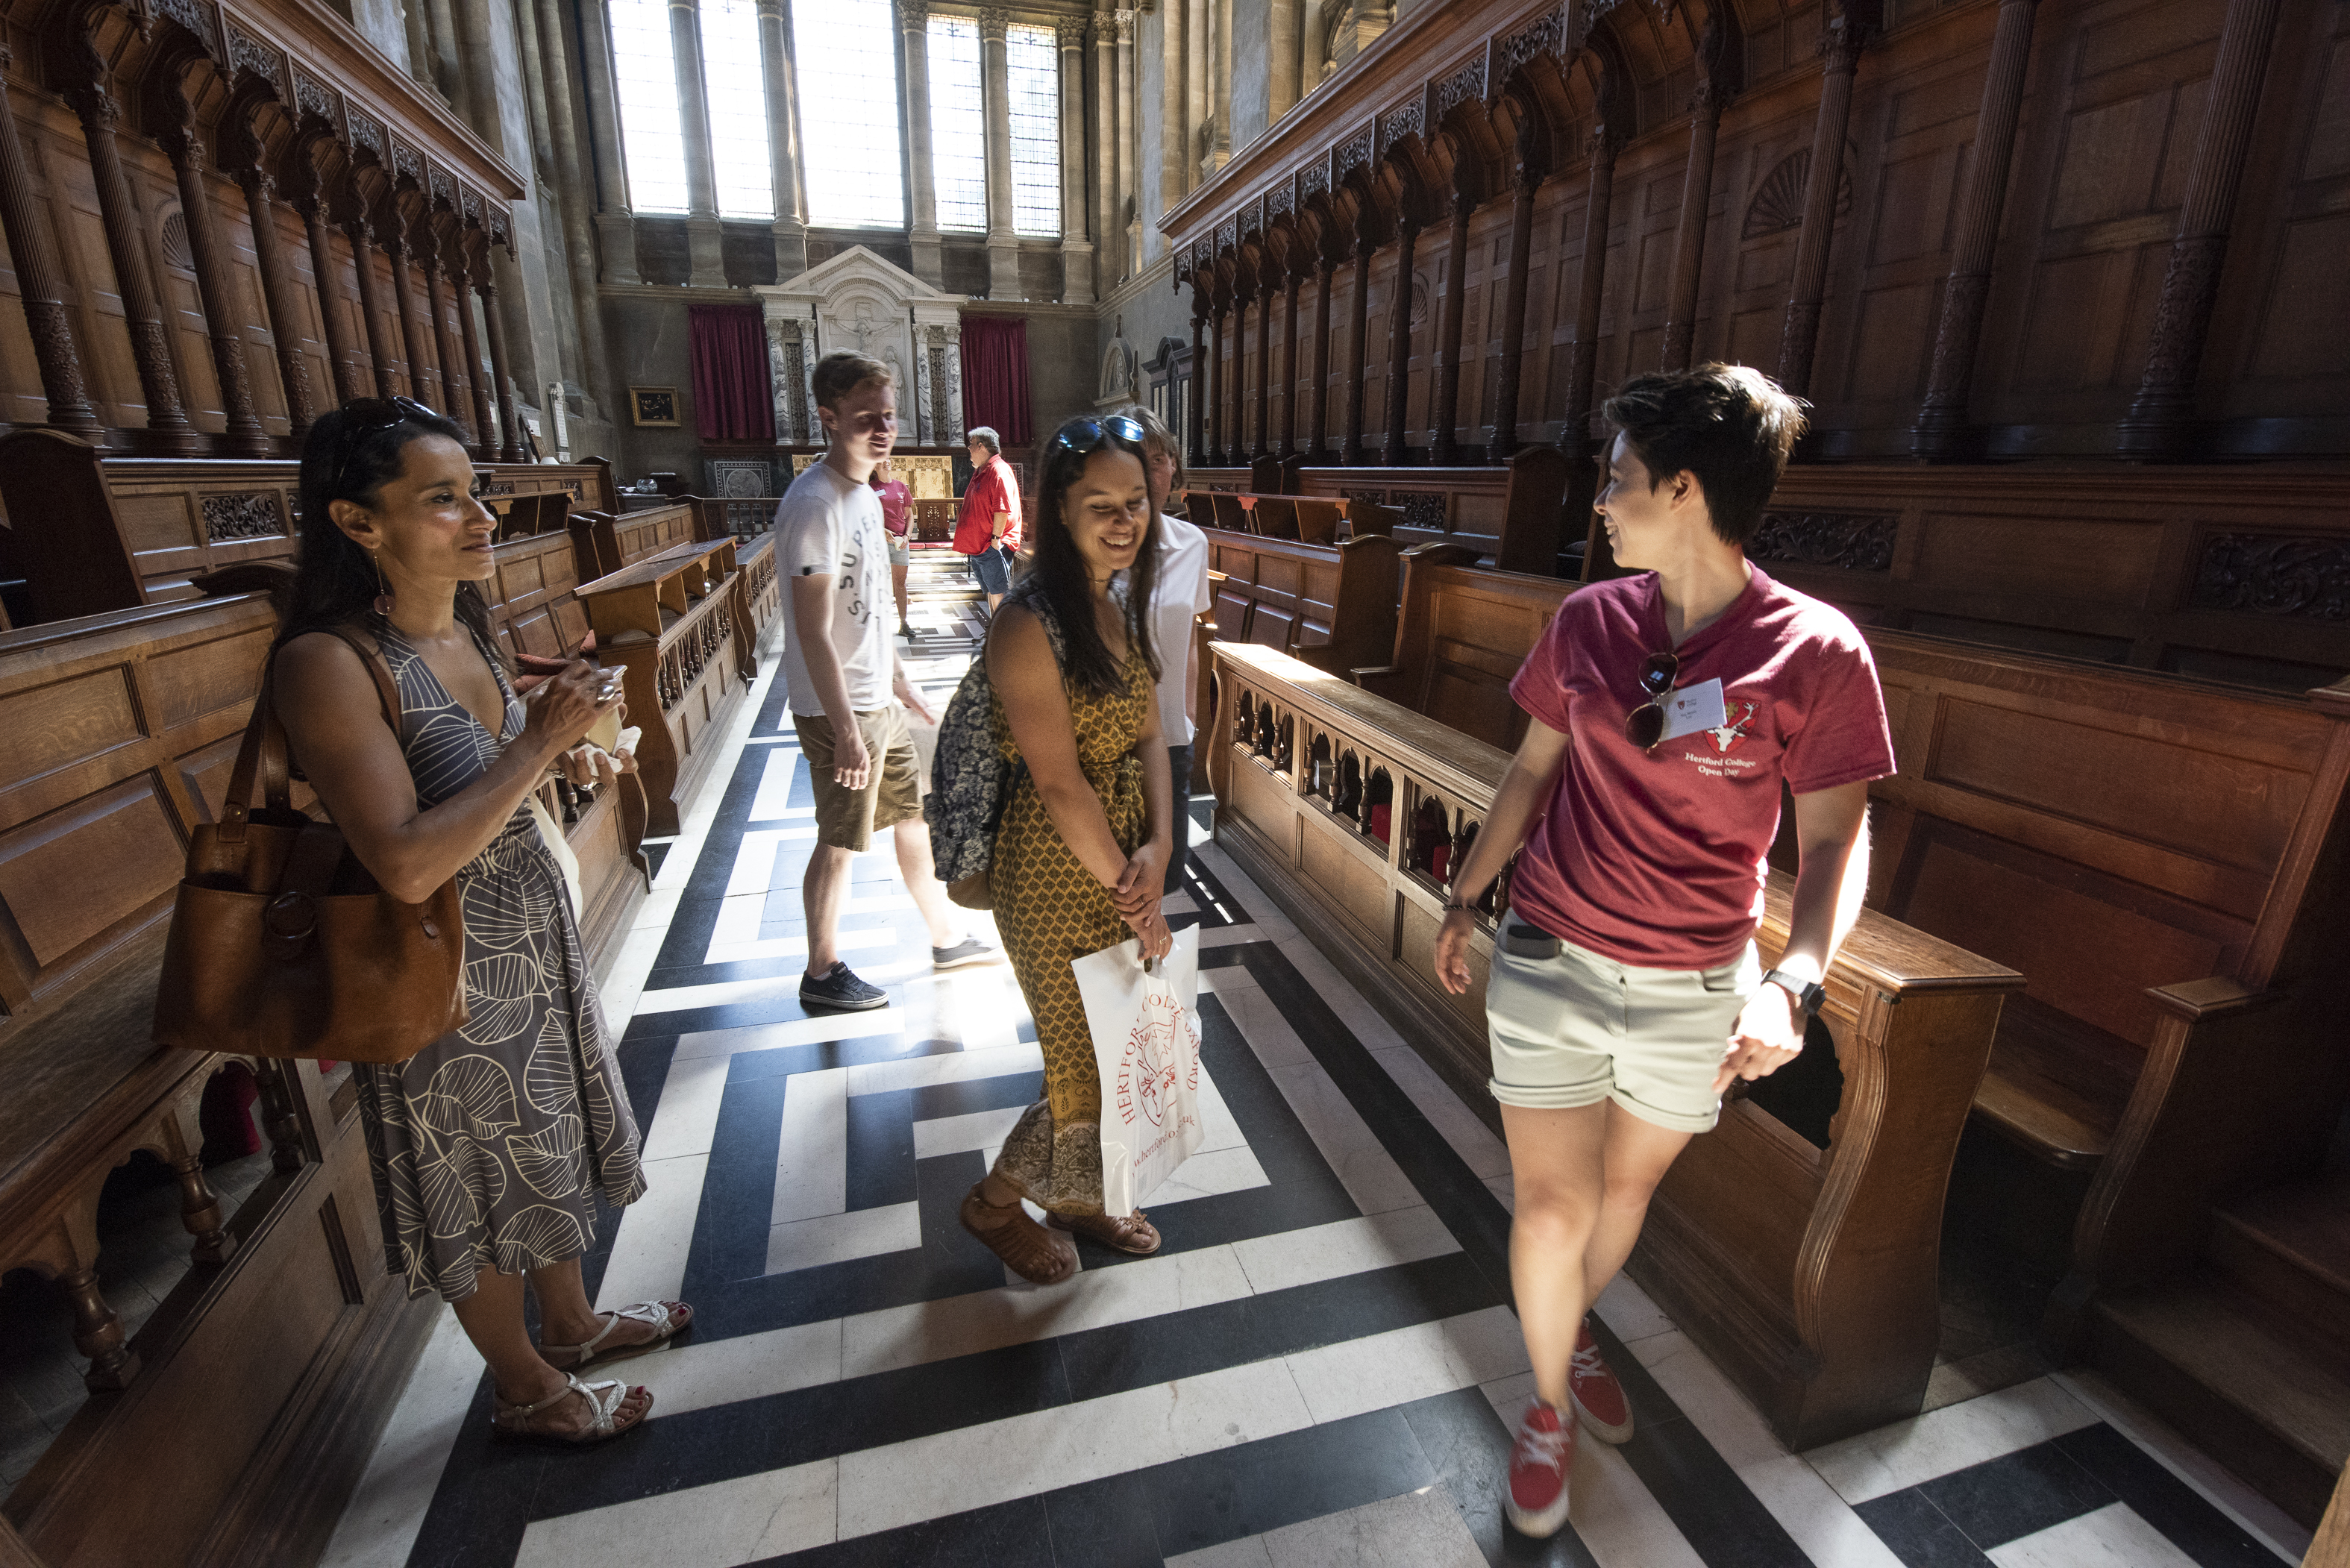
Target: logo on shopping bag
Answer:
pixel 1156 1061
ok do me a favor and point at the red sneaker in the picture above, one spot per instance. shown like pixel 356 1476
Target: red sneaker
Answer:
pixel 1598 1400
pixel 1538 1465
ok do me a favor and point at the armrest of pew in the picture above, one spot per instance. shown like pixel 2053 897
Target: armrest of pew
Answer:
pixel 1388 680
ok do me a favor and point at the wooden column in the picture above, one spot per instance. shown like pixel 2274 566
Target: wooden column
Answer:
pixel 1697 195
pixel 38 285
pixel 1942 417
pixel 1266 292
pixel 1848 28
pixel 486 422
pixel 1443 448
pixel 1316 442
pixel 168 429
pixel 1216 384
pixel 349 381
pixel 509 412
pixel 423 384
pixel 1527 179
pixel 2159 418
pixel 1195 445
pixel 381 353
pixel 1350 446
pixel 245 436
pixel 1583 355
pixel 1391 451
pixel 1289 398
pixel 277 294
pixel 454 376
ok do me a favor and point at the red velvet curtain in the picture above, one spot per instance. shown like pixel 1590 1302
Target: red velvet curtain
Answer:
pixel 732 398
pixel 995 378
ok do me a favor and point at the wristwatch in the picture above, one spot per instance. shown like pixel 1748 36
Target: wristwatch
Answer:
pixel 1808 994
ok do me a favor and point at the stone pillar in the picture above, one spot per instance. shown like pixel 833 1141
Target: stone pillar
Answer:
pixel 782 72
pixel 245 436
pixel 1350 448
pixel 412 329
pixel 538 82
pixel 575 206
pixel 454 379
pixel 1282 66
pixel 485 418
pixel 1108 222
pixel 509 410
pixel 2159 418
pixel 39 284
pixel 1942 417
pixel 1128 236
pixel 702 235
pixel 277 293
pixel 1317 441
pixel 1505 414
pixel 340 367
pixel 995 91
pixel 616 226
pixel 914 27
pixel 1443 448
pixel 1262 446
pixel 1195 450
pixel 1220 87
pixel 1393 450
pixel 1289 397
pixel 1848 28
pixel 1076 250
pixel 1697 195
pixel 420 44
pixel 381 354
pixel 168 429
pixel 1174 178
pixel 446 74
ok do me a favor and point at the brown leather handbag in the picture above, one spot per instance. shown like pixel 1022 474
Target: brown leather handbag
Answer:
pixel 281 942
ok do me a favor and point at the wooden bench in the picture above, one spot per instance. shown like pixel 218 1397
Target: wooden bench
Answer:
pixel 1332 606
pixel 606 543
pixel 1513 516
pixel 115 532
pixel 679 623
pixel 1805 1265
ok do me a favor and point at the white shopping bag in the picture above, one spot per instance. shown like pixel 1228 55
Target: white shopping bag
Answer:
pixel 1146 1042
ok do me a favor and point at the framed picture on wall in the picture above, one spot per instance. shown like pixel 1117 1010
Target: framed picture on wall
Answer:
pixel 654 408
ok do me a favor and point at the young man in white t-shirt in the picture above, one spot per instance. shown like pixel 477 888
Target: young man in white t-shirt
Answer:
pixel 843 671
pixel 1182 597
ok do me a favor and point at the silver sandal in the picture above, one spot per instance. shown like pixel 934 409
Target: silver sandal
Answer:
pixel 580 1357
pixel 603 1397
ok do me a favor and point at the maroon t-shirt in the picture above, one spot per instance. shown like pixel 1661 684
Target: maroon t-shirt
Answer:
pixel 895 499
pixel 1658 858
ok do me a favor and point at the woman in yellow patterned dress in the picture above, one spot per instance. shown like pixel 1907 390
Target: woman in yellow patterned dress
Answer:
pixel 1081 855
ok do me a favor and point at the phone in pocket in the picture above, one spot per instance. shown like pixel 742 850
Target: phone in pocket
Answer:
pixel 1521 940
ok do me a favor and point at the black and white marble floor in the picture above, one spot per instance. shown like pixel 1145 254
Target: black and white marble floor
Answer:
pixel 1318 1369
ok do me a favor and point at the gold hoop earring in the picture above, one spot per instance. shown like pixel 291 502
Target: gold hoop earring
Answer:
pixel 383 599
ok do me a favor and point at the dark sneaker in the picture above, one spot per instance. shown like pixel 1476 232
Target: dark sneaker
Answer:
pixel 1598 1400
pixel 969 950
pixel 841 989
pixel 1545 1452
pixel 906 630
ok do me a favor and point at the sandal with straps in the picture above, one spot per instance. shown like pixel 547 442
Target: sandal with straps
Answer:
pixel 664 1316
pixel 1133 1234
pixel 1027 1249
pixel 605 1399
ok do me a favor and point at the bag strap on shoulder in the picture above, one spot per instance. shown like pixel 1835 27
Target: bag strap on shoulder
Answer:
pixel 265 749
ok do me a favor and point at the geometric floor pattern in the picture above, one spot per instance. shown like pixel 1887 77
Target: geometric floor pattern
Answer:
pixel 1317 1369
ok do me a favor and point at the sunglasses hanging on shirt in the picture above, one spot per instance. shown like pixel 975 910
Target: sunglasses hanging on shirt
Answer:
pixel 1645 726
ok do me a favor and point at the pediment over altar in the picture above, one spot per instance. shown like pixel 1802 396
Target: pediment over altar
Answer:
pixel 861 300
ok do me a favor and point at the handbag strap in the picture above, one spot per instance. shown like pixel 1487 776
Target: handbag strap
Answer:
pixel 265 749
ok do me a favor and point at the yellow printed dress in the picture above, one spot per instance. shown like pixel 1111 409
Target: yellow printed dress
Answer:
pixel 1050 911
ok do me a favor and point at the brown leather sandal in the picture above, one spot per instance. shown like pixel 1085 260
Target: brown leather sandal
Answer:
pixel 1027 1248
pixel 1131 1233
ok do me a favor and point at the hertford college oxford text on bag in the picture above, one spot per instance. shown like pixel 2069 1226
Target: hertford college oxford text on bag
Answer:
pixel 281 943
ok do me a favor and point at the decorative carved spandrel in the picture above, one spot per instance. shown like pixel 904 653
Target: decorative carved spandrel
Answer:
pixel 1424 509
pixel 2278 574
pixel 1778 203
pixel 1851 541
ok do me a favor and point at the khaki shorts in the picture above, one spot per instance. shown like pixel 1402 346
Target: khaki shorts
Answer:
pixel 1576 1028
pixel 848 818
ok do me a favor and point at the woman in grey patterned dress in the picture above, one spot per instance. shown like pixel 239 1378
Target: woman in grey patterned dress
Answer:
pixel 489 1145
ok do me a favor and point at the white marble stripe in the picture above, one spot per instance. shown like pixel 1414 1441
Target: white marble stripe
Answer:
pixel 687 1119
pixel 1951 1439
pixel 988 1130
pixel 952 1067
pixel 742 1521
pixel 870 939
pixel 839 1238
pixel 743 916
pixel 811 1165
pixel 656 1232
pixel 775 794
pixel 792 1032
pixel 754 858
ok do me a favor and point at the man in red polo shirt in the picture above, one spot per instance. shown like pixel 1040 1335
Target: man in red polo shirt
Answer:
pixel 987 529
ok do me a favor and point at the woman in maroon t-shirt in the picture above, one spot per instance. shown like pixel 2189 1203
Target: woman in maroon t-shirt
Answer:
pixel 1667 709
pixel 897 514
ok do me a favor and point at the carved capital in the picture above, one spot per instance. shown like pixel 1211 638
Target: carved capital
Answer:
pixel 994 21
pixel 1071 31
pixel 1122 22
pixel 914 16
pixel 99 110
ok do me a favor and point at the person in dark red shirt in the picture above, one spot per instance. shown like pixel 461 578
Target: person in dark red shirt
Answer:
pixel 896 520
pixel 987 528
pixel 1667 708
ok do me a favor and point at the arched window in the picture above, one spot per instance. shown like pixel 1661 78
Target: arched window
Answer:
pixel 644 72
pixel 850 149
pixel 736 83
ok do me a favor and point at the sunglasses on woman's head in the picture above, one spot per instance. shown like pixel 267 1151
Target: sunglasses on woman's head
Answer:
pixel 1088 435
pixel 362 417
pixel 1645 726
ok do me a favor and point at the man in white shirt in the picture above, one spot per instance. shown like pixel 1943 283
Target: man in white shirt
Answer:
pixel 1183 596
pixel 842 673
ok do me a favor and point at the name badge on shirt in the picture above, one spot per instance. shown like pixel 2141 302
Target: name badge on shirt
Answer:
pixel 1694 708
